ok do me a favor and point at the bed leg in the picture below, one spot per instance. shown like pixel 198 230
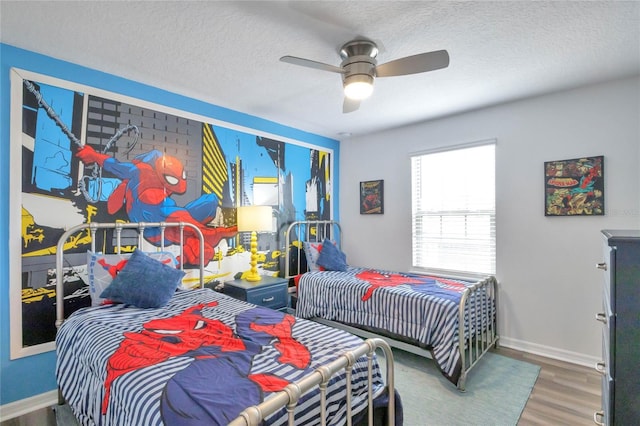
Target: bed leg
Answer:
pixel 61 400
pixel 462 382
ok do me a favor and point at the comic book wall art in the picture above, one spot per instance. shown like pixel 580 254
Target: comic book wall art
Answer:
pixel 574 187
pixel 372 197
pixel 82 155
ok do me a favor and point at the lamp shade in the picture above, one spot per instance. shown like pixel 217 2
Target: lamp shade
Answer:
pixel 255 218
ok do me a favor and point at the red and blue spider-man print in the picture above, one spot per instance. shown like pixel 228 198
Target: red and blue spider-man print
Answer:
pixel 219 355
pixel 145 191
pixel 419 283
pixel 114 269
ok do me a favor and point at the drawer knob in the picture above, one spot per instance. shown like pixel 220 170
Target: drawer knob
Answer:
pixel 602 317
pixel 601 367
pixel 602 265
pixel 598 418
pixel 268 299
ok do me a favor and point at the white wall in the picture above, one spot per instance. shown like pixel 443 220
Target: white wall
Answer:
pixel 549 287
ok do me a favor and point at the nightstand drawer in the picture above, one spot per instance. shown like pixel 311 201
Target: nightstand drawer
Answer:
pixel 274 297
pixel 269 292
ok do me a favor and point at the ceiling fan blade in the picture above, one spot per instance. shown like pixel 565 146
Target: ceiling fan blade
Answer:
pixel 350 105
pixel 311 64
pixel 421 62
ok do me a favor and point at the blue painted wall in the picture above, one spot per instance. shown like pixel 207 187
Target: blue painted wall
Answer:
pixel 35 374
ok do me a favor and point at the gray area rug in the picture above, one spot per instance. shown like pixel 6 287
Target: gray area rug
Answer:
pixel 497 390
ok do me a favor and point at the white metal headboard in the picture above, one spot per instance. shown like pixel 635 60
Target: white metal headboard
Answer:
pixel 312 231
pixel 118 227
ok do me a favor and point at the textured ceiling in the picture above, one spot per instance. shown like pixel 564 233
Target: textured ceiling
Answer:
pixel 227 53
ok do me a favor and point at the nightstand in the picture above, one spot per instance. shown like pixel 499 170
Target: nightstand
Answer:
pixel 270 292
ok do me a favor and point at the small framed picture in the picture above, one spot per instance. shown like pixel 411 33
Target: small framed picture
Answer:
pixel 372 197
pixel 574 187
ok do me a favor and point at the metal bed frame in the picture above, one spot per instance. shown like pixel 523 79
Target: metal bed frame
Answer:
pixel 477 299
pixel 118 227
pixel 289 397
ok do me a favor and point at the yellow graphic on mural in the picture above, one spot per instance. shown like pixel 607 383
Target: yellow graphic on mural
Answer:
pixel 29 231
pixel 30 295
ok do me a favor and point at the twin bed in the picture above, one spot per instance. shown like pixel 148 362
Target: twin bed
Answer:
pixel 202 357
pixel 450 320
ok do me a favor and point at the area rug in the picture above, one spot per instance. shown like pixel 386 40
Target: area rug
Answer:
pixel 497 390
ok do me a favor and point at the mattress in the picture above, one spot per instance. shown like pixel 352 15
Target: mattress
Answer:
pixel 419 309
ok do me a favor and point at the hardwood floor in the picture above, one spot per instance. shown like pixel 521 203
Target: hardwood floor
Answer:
pixel 564 394
pixel 42 417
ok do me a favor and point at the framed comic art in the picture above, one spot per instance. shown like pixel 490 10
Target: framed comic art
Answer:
pixel 372 197
pixel 574 187
pixel 81 154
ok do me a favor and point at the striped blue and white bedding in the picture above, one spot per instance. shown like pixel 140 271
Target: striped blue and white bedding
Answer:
pixel 197 360
pixel 417 308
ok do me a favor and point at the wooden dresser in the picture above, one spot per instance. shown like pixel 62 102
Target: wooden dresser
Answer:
pixel 620 367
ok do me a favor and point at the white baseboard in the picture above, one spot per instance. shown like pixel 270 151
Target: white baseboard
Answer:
pixel 549 352
pixel 27 405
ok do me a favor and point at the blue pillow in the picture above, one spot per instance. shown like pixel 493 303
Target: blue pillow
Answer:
pixel 144 282
pixel 331 258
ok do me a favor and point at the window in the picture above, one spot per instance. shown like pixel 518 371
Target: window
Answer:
pixel 453 210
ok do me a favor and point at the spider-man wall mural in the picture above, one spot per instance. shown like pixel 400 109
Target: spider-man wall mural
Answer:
pixel 91 157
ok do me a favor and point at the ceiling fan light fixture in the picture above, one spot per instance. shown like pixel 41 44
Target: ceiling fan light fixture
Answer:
pixel 359 67
pixel 358 87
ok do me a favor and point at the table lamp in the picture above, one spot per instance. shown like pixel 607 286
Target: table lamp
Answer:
pixel 254 219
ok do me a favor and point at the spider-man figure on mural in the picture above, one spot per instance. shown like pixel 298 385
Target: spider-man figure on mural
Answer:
pixel 146 188
pixel 219 355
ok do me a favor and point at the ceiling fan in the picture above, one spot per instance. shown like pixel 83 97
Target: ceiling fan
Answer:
pixel 359 68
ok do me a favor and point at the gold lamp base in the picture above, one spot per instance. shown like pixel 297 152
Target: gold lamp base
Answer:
pixel 252 274
pixel 254 219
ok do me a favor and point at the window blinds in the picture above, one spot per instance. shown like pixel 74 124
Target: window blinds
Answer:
pixel 453 210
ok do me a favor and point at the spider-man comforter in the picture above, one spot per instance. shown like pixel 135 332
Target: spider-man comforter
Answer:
pixel 420 309
pixel 199 360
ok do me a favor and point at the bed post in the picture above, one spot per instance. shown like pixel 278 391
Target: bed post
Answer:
pixel 477 325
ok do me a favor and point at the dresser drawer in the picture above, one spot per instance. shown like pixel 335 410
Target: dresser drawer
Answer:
pixel 607 319
pixel 607 400
pixel 607 359
pixel 608 266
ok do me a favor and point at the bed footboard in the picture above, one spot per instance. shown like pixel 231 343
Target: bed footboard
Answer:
pixel 289 397
pixel 477 318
